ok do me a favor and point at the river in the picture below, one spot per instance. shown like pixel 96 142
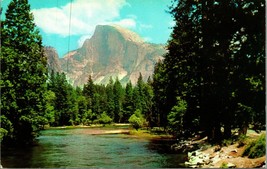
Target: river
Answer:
pixel 61 148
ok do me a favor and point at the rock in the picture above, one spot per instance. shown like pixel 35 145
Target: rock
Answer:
pixel 217 148
pixel 216 159
pixel 234 151
pixel 197 159
pixel 231 165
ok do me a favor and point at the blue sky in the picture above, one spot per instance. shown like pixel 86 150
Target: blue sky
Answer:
pixel 146 17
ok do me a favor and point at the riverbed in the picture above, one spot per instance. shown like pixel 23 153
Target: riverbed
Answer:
pixel 78 147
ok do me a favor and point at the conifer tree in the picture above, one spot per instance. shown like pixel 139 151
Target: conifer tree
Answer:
pixel 23 75
pixel 88 92
pixel 118 97
pixel 110 98
pixel 215 62
pixel 128 102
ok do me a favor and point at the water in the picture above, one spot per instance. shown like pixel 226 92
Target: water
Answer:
pixel 78 148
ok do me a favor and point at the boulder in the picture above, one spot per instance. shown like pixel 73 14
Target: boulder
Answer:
pixel 231 165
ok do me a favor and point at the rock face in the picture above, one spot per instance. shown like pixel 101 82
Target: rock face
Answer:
pixel 111 51
pixel 52 59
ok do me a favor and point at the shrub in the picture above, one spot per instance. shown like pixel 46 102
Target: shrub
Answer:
pixel 224 165
pixel 227 142
pixel 137 120
pixel 104 119
pixel 256 148
pixel 242 139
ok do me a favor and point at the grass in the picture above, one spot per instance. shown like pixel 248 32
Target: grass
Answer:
pixel 256 148
pixel 224 165
pixel 149 133
pixel 227 142
pixel 242 140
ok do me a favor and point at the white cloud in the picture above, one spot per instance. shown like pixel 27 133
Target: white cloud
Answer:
pixel 127 23
pixel 85 15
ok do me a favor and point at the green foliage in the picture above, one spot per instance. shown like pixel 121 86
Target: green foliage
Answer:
pixel 242 140
pixel 65 100
pixel 118 98
pixel 137 120
pixel 128 102
pixel 176 116
pixel 256 148
pixel 23 75
pixel 86 117
pixel 227 142
pixel 224 165
pixel 220 77
pixel 104 119
pixel 159 100
pixel 3 132
pixel 50 97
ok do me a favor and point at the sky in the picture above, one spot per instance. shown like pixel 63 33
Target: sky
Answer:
pixel 65 24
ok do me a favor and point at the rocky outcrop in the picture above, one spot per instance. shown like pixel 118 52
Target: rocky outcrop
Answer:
pixel 198 159
pixel 52 59
pixel 111 51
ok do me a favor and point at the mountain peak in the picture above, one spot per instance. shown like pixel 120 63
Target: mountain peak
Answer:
pixel 112 51
pixel 125 33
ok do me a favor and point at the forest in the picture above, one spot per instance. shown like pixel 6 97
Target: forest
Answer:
pixel 212 79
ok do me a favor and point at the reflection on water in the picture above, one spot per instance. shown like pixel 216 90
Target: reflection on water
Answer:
pixel 74 148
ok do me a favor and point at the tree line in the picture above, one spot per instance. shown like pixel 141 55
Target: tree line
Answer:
pixel 210 80
pixel 95 103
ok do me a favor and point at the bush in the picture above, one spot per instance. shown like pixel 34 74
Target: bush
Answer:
pixel 224 165
pixel 256 148
pixel 242 139
pixel 104 119
pixel 137 120
pixel 227 142
pixel 3 132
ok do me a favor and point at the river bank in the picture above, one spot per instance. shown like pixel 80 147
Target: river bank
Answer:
pixel 120 128
pixel 230 156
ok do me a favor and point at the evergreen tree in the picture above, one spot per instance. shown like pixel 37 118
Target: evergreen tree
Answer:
pixel 213 54
pixel 118 97
pixel 181 67
pixel 65 101
pixel 148 102
pixel 88 92
pixel 159 100
pixel 23 75
pixel 110 98
pixel 138 94
pixel 128 102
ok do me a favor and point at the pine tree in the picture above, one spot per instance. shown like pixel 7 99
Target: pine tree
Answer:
pixel 23 74
pixel 118 97
pixel 159 100
pixel 66 106
pixel 213 54
pixel 88 92
pixel 181 66
pixel 110 98
pixel 128 102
